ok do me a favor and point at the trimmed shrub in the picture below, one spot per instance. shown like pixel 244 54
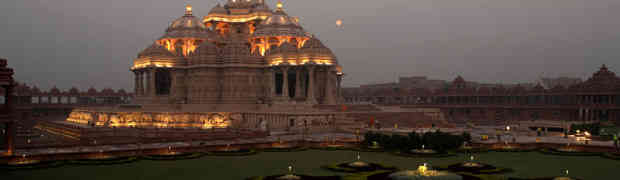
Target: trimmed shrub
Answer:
pixel 241 152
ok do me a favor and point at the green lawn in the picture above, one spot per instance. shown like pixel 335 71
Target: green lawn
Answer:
pixel 529 164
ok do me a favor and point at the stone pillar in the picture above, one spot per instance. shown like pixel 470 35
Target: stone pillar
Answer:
pixel 329 93
pixel 272 82
pixel 339 97
pixel 298 85
pixel 136 82
pixel 174 84
pixel 140 84
pixel 285 82
pixel 152 92
pixel 310 96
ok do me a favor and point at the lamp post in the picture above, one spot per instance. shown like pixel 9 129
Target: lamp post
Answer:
pixel 357 135
pixel 339 76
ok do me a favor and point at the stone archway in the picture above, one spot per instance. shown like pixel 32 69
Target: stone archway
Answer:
pixel 163 81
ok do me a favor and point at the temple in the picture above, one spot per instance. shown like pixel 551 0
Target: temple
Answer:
pixel 241 55
pixel 243 66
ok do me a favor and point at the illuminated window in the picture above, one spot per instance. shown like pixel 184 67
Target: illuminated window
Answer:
pixel 54 100
pixel 73 100
pixel 34 100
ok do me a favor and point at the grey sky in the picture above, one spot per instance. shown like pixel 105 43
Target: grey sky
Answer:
pixel 87 43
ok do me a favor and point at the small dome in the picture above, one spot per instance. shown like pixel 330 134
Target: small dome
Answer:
pixel 187 26
pixel 218 9
pixel 155 50
pixel 314 43
pixel 243 4
pixel 279 24
pixel 315 48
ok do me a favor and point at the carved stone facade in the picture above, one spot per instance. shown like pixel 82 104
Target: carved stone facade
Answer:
pixel 241 53
pixel 205 120
pixel 242 67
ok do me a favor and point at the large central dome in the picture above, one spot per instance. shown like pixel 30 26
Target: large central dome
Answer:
pixel 280 24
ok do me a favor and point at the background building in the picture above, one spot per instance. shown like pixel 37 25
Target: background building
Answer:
pixel 595 100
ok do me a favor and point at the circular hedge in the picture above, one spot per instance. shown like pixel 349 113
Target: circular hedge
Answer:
pixel 370 149
pixel 37 165
pixel 470 150
pixel 614 156
pixel 541 178
pixel 568 153
pixel 482 169
pixel 302 177
pixel 179 156
pixel 431 155
pixel 342 148
pixel 285 149
pixel 240 152
pixel 514 149
pixel 395 176
pixel 346 167
pixel 105 161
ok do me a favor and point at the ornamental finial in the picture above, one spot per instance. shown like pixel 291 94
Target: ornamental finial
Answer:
pixel 279 5
pixel 188 10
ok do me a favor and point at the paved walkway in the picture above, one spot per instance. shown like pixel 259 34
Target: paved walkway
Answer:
pixel 126 147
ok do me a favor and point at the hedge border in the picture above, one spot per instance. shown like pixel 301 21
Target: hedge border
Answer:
pixel 39 165
pixel 419 155
pixel 291 149
pixel 494 171
pixel 336 167
pixel 111 161
pixel 562 153
pixel 232 153
pixel 302 177
pixel 612 156
pixel 182 156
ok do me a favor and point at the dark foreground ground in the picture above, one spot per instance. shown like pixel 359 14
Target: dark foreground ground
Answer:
pixel 525 164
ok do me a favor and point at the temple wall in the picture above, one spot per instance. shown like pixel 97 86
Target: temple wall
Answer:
pixel 240 120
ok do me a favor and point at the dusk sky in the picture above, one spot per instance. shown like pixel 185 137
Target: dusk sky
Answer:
pixel 85 43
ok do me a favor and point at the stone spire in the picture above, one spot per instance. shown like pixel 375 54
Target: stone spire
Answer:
pixel 279 5
pixel 188 10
